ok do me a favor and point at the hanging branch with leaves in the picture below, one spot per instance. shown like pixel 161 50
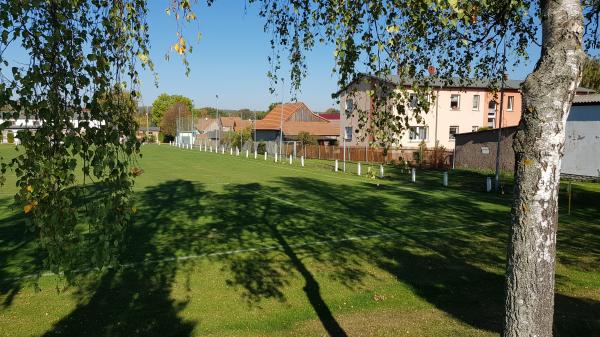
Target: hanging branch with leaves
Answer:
pixel 75 171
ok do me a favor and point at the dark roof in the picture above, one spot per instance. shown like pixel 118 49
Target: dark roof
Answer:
pixel 450 83
pixel 495 130
pixel 586 99
pixel 458 82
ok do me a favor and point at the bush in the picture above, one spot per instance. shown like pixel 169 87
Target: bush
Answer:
pixel 439 156
pixel 165 138
pixel 10 137
pixel 419 156
pixel 261 148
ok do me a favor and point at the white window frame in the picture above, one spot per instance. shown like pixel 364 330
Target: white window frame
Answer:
pixel 348 133
pixel 450 134
pixel 417 129
pixel 458 106
pixel 476 108
pixel 510 103
pixel 412 100
pixel 349 105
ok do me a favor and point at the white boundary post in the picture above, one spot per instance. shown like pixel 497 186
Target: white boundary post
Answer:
pixel 358 169
pixel 337 165
pixel 302 161
pixel 445 180
pixel 290 159
pixel 413 175
pixel 231 151
pixel 488 184
pixel 381 175
pixel 266 155
pixel 222 149
pixel 247 153
pixel 255 154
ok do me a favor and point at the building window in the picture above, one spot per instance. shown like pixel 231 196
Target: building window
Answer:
pixel 510 104
pixel 453 131
pixel 348 133
pixel 491 122
pixel 474 128
pixel 349 106
pixel 454 102
pixel 418 133
pixel 476 102
pixel 413 101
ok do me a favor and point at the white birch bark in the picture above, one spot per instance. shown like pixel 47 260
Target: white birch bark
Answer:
pixel 547 96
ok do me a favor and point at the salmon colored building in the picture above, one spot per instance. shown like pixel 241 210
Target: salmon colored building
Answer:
pixel 456 107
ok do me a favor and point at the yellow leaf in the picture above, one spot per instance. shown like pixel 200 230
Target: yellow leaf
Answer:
pixel 27 208
pixel 30 189
pixel 143 57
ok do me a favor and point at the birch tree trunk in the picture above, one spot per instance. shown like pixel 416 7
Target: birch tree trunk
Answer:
pixel 539 142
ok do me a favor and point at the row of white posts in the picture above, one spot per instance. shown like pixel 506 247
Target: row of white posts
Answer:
pixel 413 178
pixel 207 148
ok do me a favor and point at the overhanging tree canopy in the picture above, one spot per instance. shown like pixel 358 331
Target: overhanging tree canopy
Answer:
pixel 80 50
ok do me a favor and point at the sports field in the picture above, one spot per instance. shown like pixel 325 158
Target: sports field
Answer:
pixel 229 246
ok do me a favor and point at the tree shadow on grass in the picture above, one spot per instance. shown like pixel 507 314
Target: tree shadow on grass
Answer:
pixel 20 257
pixel 135 298
pixel 253 219
pixel 448 247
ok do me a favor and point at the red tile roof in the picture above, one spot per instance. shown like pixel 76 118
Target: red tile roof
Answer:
pixel 204 123
pixel 229 122
pixel 331 117
pixel 272 120
pixel 318 127
pixel 242 124
pixel 314 128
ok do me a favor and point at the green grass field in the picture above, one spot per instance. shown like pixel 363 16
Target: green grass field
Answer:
pixel 229 246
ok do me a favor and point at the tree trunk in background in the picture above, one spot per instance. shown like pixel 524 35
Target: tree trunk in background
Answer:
pixel 538 145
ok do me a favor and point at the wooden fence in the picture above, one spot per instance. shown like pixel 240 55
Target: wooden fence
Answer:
pixel 432 158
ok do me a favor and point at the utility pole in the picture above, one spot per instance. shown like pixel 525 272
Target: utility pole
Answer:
pixel 241 131
pixel 218 122
pixel 345 135
pixel 281 118
pixel 193 130
pixel 147 124
pixel 178 123
pixel 497 187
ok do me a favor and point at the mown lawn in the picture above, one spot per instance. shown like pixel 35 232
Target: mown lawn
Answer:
pixel 229 246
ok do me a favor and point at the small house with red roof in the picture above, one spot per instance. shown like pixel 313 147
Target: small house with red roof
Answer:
pixel 295 118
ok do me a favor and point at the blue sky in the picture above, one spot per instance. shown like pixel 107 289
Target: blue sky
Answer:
pixel 231 60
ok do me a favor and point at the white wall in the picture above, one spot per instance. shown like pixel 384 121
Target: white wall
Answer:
pixel 582 143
